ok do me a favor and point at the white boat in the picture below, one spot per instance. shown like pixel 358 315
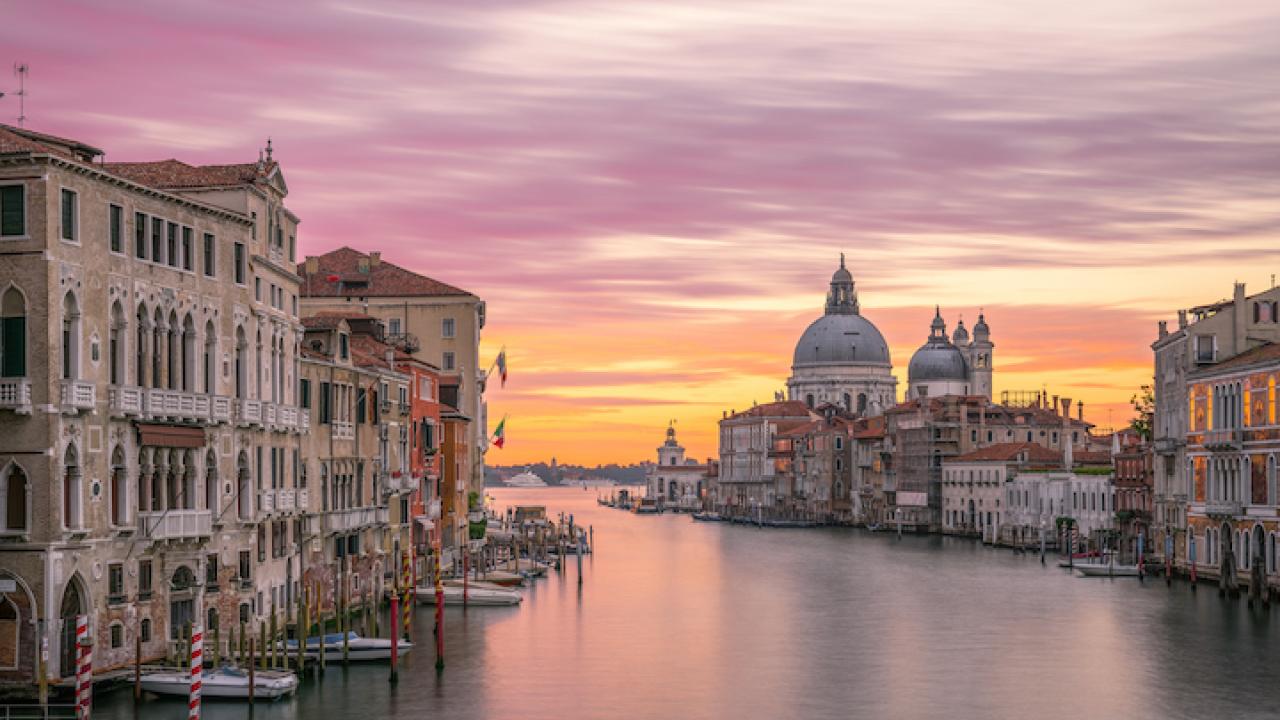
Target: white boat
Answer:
pixel 526 479
pixel 358 648
pixel 225 682
pixel 1106 570
pixel 479 594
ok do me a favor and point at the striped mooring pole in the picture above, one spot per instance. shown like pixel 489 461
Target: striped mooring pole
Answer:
pixel 406 588
pixel 84 668
pixel 197 668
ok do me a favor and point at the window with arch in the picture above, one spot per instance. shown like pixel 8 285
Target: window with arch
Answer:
pixel 70 337
pixel 211 483
pixel 115 345
pixel 15 494
pixel 10 634
pixel 71 491
pixel 118 487
pixel 13 333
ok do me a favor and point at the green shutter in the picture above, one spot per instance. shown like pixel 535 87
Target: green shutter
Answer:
pixel 13 211
pixel 13 337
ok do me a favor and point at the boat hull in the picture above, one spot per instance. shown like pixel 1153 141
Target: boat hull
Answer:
pixel 493 596
pixel 268 685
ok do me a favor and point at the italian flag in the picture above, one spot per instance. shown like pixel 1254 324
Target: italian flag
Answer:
pixel 500 433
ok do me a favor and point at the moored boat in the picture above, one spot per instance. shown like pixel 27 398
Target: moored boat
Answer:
pixel 707 516
pixel 479 594
pixel 1106 570
pixel 358 648
pixel 225 682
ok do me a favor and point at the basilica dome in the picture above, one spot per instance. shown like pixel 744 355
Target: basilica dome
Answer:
pixel 846 339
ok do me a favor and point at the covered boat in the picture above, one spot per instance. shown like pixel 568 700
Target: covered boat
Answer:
pixel 1106 570
pixel 358 648
pixel 478 594
pixel 225 682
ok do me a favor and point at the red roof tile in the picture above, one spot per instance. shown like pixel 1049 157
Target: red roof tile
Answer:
pixel 383 279
pixel 21 140
pixel 1009 452
pixel 175 174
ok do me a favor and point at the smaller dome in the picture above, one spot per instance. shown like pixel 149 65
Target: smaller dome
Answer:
pixel 961 335
pixel 980 331
pixel 937 362
pixel 842 275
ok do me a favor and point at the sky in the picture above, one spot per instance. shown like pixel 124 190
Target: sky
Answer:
pixel 652 196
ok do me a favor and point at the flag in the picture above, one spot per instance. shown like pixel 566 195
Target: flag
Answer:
pixel 502 367
pixel 500 433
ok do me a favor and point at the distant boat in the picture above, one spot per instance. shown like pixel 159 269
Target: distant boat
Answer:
pixel 1106 570
pixel 225 682
pixel 358 648
pixel 477 593
pixel 526 479
pixel 707 516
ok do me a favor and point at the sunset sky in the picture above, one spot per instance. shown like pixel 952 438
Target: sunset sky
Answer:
pixel 652 196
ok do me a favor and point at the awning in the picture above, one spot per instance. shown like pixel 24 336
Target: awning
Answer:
pixel 171 435
pixel 425 522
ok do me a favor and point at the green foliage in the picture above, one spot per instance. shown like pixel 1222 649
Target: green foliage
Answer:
pixel 473 500
pixel 1144 405
pixel 1097 470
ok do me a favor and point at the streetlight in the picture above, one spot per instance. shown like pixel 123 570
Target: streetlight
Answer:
pixel 898 514
pixel 1043 527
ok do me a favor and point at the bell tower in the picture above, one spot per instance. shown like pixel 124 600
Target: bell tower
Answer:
pixel 981 354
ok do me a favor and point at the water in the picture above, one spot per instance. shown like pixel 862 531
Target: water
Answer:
pixel 677 619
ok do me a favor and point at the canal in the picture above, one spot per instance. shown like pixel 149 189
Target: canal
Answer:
pixel 677 619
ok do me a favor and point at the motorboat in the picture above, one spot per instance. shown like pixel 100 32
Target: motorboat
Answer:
pixel 503 578
pixel 477 593
pixel 358 648
pixel 225 682
pixel 707 516
pixel 526 479
pixel 1106 570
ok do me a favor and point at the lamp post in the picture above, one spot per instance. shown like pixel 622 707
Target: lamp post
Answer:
pixel 1042 530
pixel 898 514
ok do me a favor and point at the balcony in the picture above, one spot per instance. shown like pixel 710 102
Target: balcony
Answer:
pixel 175 524
pixel 337 521
pixel 78 395
pixel 15 395
pixel 285 500
pixel 304 500
pixel 220 409
pixel 124 400
pixel 1222 508
pixel 177 405
pixel 266 502
pixel 343 430
pixel 248 413
pixel 1224 440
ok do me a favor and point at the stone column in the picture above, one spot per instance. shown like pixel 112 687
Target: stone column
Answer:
pixel 145 470
pixel 159 481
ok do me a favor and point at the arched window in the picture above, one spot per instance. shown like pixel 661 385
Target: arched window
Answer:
pixel 848 402
pixel 13 334
pixel 159 346
pixel 119 489
pixel 244 488
pixel 141 332
pixel 862 402
pixel 173 353
pixel 808 400
pixel 210 358
pixel 211 482
pixel 70 337
pixel 71 492
pixel 15 494
pixel 242 363
pixel 115 344
pixel 188 354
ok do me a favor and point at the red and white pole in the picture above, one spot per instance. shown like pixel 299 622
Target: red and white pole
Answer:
pixel 197 670
pixel 84 668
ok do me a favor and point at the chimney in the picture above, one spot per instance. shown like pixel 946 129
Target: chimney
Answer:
pixel 313 264
pixel 1080 411
pixel 1056 411
pixel 1182 319
pixel 1164 329
pixel 1066 407
pixel 375 258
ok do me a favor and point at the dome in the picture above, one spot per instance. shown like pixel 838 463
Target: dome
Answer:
pixel 961 335
pixel 935 361
pixel 846 339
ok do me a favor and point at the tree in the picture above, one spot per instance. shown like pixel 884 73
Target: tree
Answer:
pixel 1144 405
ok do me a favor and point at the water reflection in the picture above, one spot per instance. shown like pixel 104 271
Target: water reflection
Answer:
pixel 676 619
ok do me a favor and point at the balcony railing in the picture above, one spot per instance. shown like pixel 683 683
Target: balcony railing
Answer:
pixel 175 524
pixel 1224 440
pixel 15 395
pixel 249 412
pixel 336 521
pixel 285 500
pixel 78 395
pixel 266 501
pixel 178 405
pixel 343 430
pixel 304 500
pixel 220 409
pixel 1222 508
pixel 124 400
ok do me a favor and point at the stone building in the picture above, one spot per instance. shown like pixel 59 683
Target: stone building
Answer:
pixel 434 322
pixel 1132 458
pixel 1205 335
pixel 148 400
pixel 676 482
pixel 842 358
pixel 1233 449
pixel 748 475
pixel 814 469
pixel 952 366
pixel 974 501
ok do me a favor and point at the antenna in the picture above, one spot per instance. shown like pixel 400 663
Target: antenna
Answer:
pixel 21 70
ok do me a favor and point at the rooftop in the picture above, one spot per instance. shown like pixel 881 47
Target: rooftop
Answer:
pixel 1010 452
pixel 1267 354
pixel 346 272
pixel 176 175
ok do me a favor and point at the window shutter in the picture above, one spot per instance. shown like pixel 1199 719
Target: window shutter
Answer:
pixel 14 340
pixel 12 211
